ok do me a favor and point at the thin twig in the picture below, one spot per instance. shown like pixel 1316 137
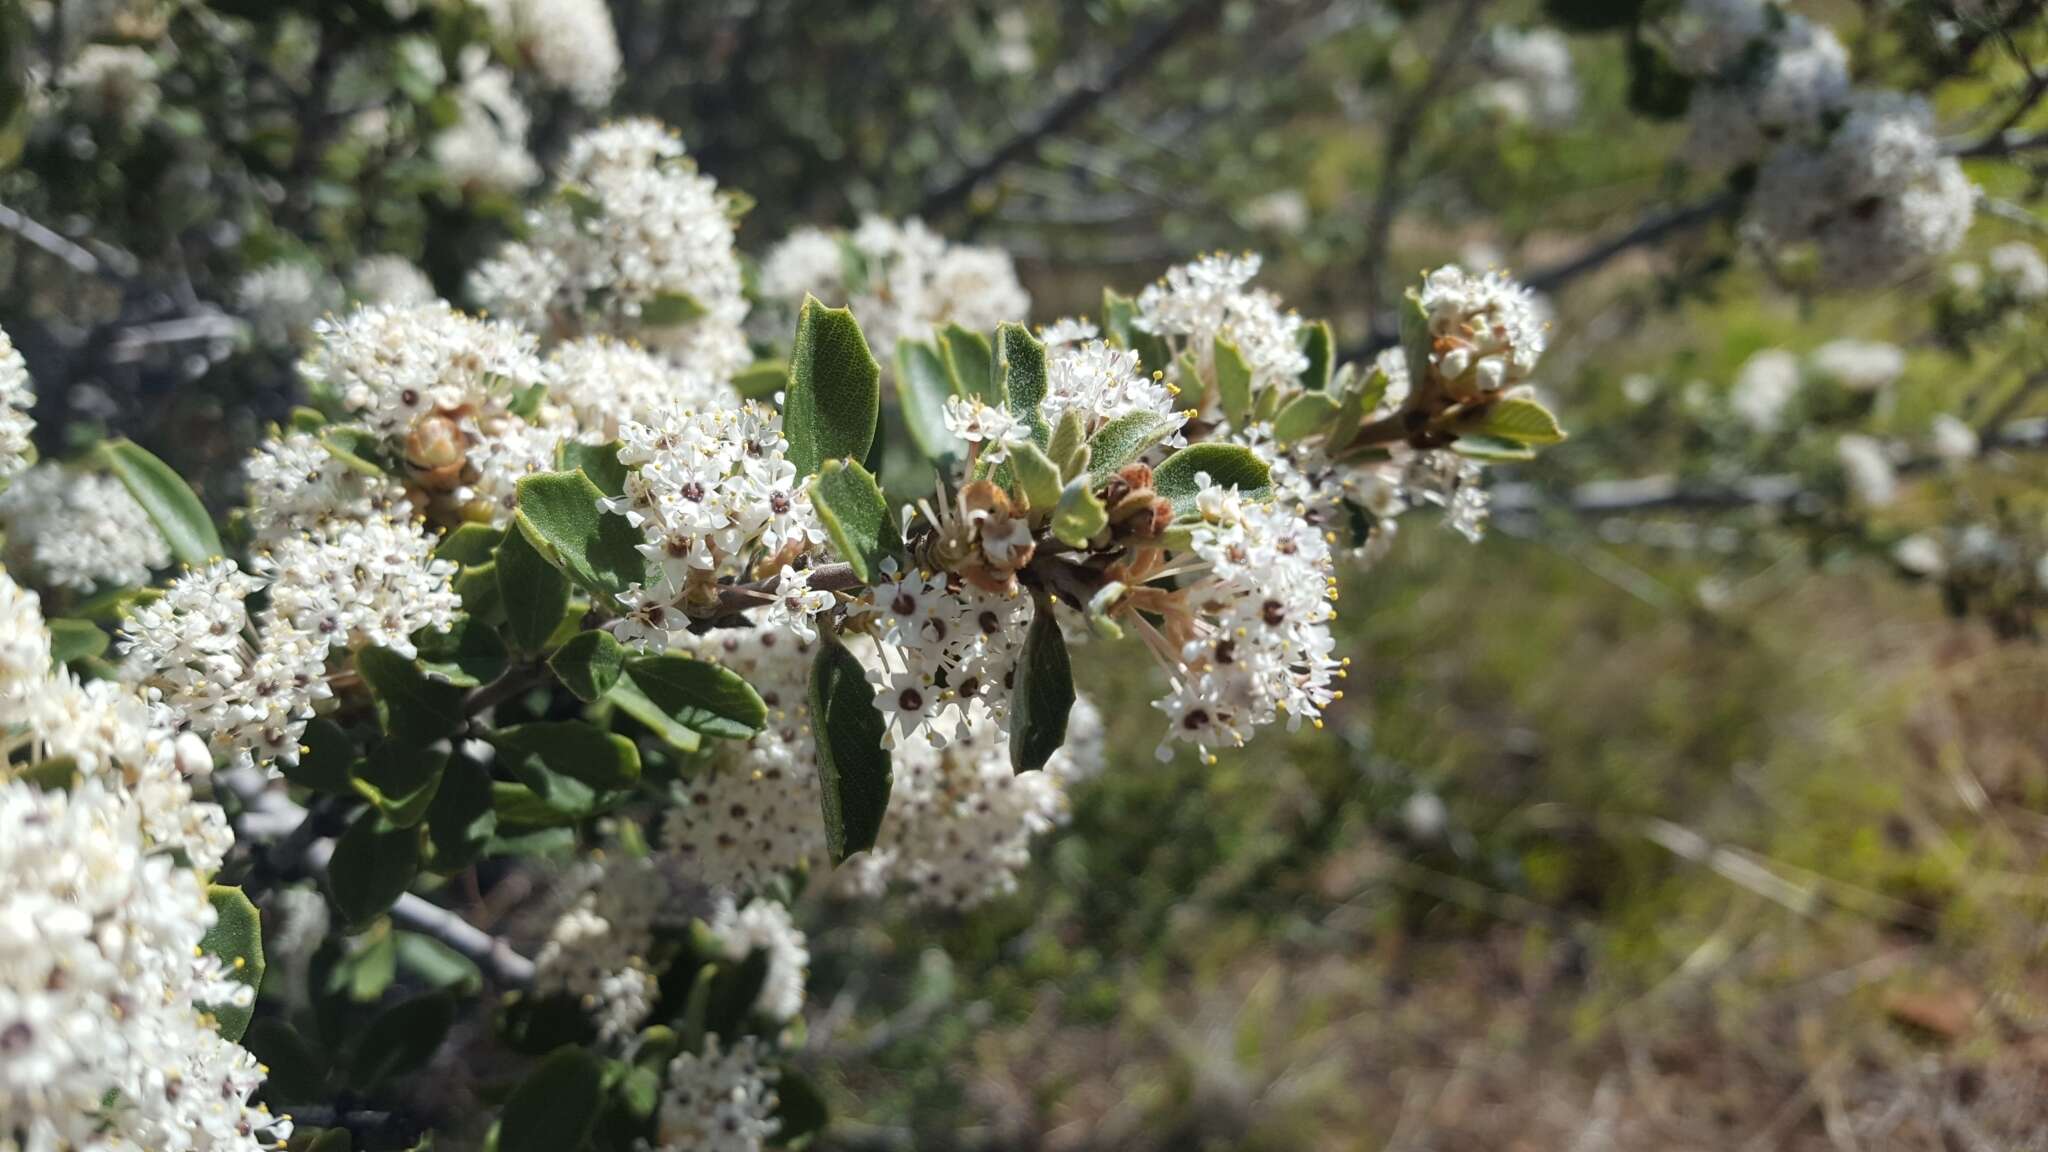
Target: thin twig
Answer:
pixel 108 261
pixel 1144 50
pixel 1402 132
pixel 1650 230
pixel 1671 493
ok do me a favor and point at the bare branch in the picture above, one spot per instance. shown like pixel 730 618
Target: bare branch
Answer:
pixel 98 260
pixel 1138 57
pixel 1402 132
pixel 1650 230
pixel 1663 493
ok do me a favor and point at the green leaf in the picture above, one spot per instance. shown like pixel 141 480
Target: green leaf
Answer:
pixel 557 801
pixel 1233 381
pixel 466 655
pixel 534 592
pixel 1069 436
pixel 1492 448
pixel 1037 476
pixel 74 640
pixel 854 773
pixel 572 748
pixel 436 964
pixel 600 462
pixel 1228 465
pixel 1304 416
pixel 330 1140
pixel 1123 440
pixel 589 664
pixel 1044 694
pixel 555 1107
pixel 850 505
pixel 761 380
pixel 834 397
pixel 401 1038
pixel 295 1069
pixel 237 939
pixel 559 514
pixel 325 757
pixel 170 502
pixel 1516 419
pixel 1416 341
pixel 347 451
pixel 671 310
pixel 412 707
pixel 112 605
pixel 800 1109
pixel 1319 344
pixel 373 864
pixel 401 780
pixel 469 544
pixel 971 363
pixel 702 696
pixel 1022 378
pixel 627 697
pixel 461 822
pixel 478 587
pixel 1079 514
pixel 922 387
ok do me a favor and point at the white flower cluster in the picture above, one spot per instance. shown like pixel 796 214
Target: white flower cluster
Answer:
pixel 1867 470
pixel 901 279
pixel 1102 382
pixel 605 383
pixel 959 822
pixel 1260 644
pixel 1866 367
pixel 283 301
pixel 1196 304
pixel 485 147
pixel 387 279
pixel 2017 275
pixel 294 482
pixel 636 243
pixel 598 950
pixel 1763 75
pixel 106 1033
pixel 113 83
pixel 1534 82
pixel 78 530
pixel 356 583
pixel 720 1101
pixel 440 388
pixel 1879 196
pixel 1773 379
pixel 571 43
pixel 2019 271
pixel 16 398
pixel 1764 388
pixel 752 815
pixel 1487 331
pixel 716 497
pixel 947 649
pixel 248 691
pixel 765 926
pixel 1859 175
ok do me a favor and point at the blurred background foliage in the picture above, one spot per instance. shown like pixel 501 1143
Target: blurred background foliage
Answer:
pixel 1711 833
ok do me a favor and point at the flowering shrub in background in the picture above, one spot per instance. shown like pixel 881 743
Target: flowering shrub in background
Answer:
pixel 571 638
